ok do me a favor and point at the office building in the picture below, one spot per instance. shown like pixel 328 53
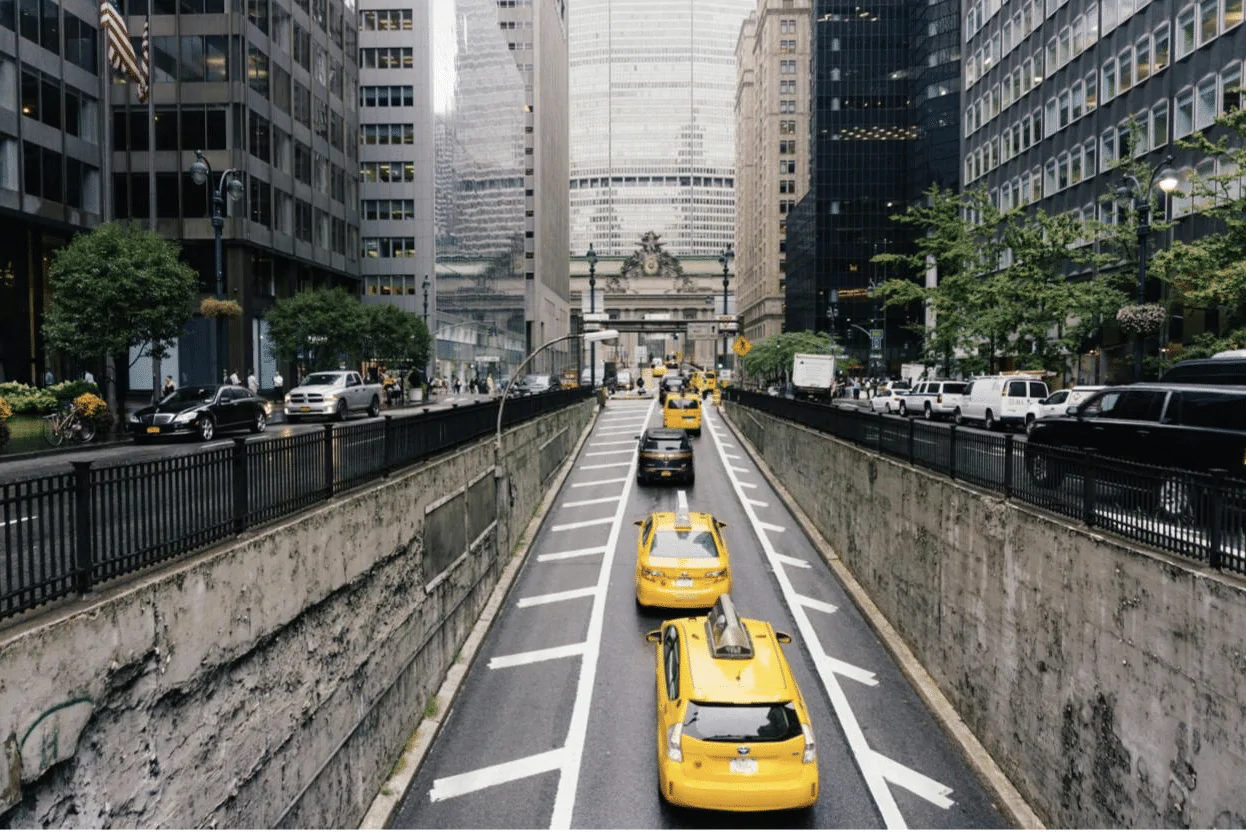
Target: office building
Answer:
pixel 396 154
pixel 501 130
pixel 652 95
pixel 883 128
pixel 1051 89
pixel 772 154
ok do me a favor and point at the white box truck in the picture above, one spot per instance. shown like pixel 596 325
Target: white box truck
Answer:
pixel 813 376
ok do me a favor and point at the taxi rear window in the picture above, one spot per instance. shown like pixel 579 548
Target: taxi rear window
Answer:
pixel 682 404
pixel 742 723
pixel 668 543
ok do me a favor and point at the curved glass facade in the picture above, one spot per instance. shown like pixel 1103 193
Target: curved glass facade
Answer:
pixel 652 94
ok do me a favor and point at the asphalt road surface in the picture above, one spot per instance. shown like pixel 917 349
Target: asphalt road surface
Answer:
pixel 555 726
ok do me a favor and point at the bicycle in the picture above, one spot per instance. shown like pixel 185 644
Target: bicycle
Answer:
pixel 68 424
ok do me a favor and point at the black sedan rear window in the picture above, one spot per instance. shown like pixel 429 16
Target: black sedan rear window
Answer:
pixel 742 723
pixel 668 446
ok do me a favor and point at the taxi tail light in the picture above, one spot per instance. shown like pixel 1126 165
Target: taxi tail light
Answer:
pixel 675 743
pixel 811 747
pixel 718 573
pixel 652 573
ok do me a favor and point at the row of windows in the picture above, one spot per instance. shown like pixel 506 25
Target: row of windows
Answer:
pixel 39 21
pixel 388 209
pixel 47 174
pixel 43 97
pixel 390 284
pixel 385 20
pixel 387 133
pixel 388 246
pixel 386 96
pixel 1193 108
pixel 201 128
pixel 387 57
pixel 387 171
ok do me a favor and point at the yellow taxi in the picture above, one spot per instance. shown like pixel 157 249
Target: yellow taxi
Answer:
pixel 681 561
pixel 709 380
pixel 659 370
pixel 733 730
pixel 682 410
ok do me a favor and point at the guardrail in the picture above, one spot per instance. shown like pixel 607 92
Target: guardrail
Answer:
pixel 1201 516
pixel 65 533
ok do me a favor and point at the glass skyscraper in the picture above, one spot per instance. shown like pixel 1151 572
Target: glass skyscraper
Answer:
pixel 652 95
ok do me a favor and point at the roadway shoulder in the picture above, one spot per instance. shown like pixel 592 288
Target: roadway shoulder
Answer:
pixel 1010 800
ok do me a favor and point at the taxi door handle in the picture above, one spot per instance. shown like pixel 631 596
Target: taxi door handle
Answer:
pixel 1144 433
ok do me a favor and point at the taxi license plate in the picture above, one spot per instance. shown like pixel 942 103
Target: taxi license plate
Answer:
pixel 743 765
pixel 683 582
pixel 305 409
pixel 153 430
pixel 666 473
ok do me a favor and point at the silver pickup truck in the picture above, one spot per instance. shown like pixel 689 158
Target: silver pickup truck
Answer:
pixel 332 393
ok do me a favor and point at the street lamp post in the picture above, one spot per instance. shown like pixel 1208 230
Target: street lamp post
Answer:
pixel 725 258
pixel 591 257
pixel 229 185
pixel 1130 188
pixel 426 285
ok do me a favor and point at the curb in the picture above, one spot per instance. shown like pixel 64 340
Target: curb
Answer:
pixel 385 806
pixel 998 785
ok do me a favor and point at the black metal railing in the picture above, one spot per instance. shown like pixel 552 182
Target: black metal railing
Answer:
pixel 66 533
pixel 1200 516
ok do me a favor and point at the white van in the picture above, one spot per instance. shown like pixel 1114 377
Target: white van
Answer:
pixel 1000 400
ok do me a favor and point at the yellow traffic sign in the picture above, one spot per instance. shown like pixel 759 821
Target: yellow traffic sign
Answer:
pixel 742 346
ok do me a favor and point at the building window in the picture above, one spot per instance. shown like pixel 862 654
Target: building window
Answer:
pixel 80 40
pixel 1142 59
pixel 1230 88
pixel 1205 104
pixel 1209 21
pixel 1109 79
pixel 1161 57
pixel 261 202
pixel 1107 144
pixel 1232 14
pixel 387 247
pixel 1185 32
pixel 1159 125
pixel 393 57
pixel 1088 158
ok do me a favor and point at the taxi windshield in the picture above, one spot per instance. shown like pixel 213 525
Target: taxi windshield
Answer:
pixel 742 723
pixel 668 543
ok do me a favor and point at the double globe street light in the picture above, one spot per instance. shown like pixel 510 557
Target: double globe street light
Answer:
pixel 230 186
pixel 1130 188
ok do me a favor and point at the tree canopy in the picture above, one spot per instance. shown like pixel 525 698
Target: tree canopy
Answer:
pixel 394 336
pixel 328 327
pixel 771 358
pixel 118 287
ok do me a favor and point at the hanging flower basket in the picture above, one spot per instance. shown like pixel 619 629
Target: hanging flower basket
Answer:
pixel 1143 319
pixel 213 308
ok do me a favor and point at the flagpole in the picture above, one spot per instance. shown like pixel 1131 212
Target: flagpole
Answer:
pixel 107 199
pixel 151 178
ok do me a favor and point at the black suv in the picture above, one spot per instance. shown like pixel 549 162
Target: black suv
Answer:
pixel 665 454
pixel 1215 371
pixel 670 384
pixel 1187 426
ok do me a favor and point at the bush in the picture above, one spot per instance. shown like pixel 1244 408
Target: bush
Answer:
pixel 25 399
pixel 95 409
pixel 68 391
pixel 6 413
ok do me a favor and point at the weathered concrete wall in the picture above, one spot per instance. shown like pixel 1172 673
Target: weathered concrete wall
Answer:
pixel 1109 683
pixel 270 682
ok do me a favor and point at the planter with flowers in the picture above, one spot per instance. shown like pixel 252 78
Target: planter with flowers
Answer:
pixel 213 308
pixel 1141 318
pixel 94 409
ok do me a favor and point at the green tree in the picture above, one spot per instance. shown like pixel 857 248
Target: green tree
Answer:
pixel 118 287
pixel 394 336
pixel 323 326
pixel 771 358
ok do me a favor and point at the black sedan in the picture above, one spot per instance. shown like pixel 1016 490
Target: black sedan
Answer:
pixel 200 411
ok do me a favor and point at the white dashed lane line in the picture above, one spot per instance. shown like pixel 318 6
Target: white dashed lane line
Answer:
pixel 555 597
pixel 571 553
pixel 592 483
pixel 602 465
pixel 597 502
pixel 533 656
pixel 581 524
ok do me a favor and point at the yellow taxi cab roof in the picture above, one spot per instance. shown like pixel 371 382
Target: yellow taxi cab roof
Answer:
pixel 761 678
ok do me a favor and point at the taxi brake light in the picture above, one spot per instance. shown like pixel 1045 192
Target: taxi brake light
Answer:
pixel 717 573
pixel 675 743
pixel 811 747
pixel 652 573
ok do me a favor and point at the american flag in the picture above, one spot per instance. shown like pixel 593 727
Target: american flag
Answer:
pixel 121 54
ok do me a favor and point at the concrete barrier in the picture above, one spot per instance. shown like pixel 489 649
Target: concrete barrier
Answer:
pixel 1107 681
pixel 272 681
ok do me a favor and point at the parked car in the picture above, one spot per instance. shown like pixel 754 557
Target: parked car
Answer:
pixel 1058 403
pixel 332 393
pixel 1222 368
pixel 623 380
pixel 933 399
pixel 886 399
pixel 533 384
pixel 1000 400
pixel 202 411
pixel 1180 426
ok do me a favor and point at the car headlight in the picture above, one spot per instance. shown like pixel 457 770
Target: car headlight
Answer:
pixel 811 747
pixel 330 397
pixel 652 573
pixel 183 418
pixel 287 398
pixel 134 420
pixel 675 744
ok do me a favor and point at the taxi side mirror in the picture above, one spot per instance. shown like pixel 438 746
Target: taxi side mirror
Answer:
pixel 638 522
pixel 782 638
pixel 653 636
pixel 721 524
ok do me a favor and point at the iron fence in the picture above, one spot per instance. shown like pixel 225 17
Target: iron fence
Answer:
pixel 63 534
pixel 1197 515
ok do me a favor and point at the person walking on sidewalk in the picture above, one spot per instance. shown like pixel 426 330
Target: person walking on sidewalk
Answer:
pixel 278 383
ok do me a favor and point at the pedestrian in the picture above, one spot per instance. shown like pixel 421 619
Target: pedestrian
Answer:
pixel 88 377
pixel 169 386
pixel 458 385
pixel 489 384
pixel 253 383
pixel 48 378
pixel 278 383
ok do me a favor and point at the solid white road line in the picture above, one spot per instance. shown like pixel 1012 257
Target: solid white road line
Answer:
pixel 533 656
pixel 581 524
pixel 815 604
pixel 916 782
pixel 445 788
pixel 555 597
pixel 603 465
pixel 577 732
pixel 596 502
pixel 615 442
pixel 870 770
pixel 571 553
pixel 612 453
pixel 791 561
pixel 591 483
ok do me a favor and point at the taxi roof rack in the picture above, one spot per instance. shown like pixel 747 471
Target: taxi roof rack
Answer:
pixel 728 638
pixel 683 517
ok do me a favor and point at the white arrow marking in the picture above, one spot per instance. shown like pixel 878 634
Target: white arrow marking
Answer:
pixel 814 604
pixel 533 656
pixel 445 788
pixel 914 781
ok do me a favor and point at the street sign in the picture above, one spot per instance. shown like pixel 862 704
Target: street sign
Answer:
pixel 876 340
pixel 742 346
pixel 597 317
pixel 854 294
pixel 487 359
pixel 702 331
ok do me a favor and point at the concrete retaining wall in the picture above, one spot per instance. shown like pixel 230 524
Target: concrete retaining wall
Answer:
pixel 1108 682
pixel 270 682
